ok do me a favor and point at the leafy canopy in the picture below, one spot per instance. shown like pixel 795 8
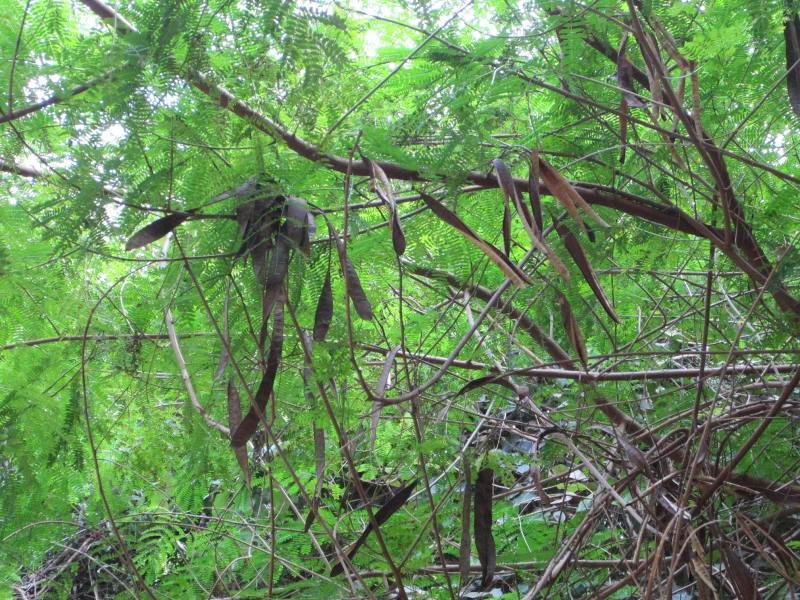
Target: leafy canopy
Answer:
pixel 505 287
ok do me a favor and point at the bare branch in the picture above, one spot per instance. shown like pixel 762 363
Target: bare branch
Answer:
pixel 187 380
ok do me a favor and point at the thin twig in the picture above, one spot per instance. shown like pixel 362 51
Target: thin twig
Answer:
pixel 187 380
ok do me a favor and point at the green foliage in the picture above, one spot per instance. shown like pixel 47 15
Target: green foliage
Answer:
pixel 101 445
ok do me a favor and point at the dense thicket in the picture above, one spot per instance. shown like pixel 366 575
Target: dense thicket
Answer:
pixel 399 299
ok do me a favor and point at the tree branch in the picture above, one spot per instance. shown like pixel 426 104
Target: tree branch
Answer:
pixel 187 380
pixel 669 216
pixel 551 346
pixel 55 99
pixel 591 377
pixel 97 338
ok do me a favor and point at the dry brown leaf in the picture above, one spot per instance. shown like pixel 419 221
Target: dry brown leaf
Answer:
pixel 576 252
pixel 506 182
pixel 623 129
pixel 625 81
pixel 234 419
pixel 354 289
pixel 572 328
pixel 484 541
pixel 386 511
pixel 324 312
pixel 385 191
pixel 250 423
pixel 514 273
pixel 465 543
pixel 533 189
pixel 738 573
pixel 155 230
pixel 566 193
pixel 791 35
